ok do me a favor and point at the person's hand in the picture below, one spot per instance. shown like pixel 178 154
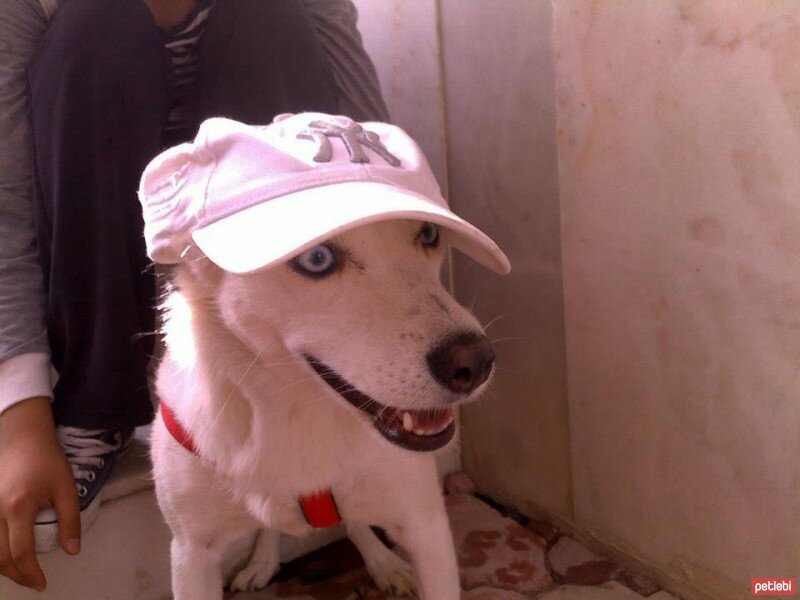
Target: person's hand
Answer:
pixel 34 474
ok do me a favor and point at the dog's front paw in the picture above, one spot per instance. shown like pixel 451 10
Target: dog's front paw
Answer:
pixel 254 576
pixel 392 574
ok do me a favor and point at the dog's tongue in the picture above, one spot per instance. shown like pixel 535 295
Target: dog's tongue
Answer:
pixel 427 422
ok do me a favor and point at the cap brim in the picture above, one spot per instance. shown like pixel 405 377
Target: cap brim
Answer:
pixel 276 230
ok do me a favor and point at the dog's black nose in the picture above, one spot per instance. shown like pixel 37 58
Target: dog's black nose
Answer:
pixel 462 362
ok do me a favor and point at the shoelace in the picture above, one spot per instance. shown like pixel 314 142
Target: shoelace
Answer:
pixel 84 448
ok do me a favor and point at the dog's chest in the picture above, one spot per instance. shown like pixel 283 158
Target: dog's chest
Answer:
pixel 371 501
pixel 365 483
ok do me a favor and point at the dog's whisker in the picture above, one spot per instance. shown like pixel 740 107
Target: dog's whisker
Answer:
pixel 367 404
pixel 472 304
pixel 380 417
pixel 287 362
pixel 289 385
pixel 233 389
pixel 489 395
pixel 512 337
pixel 495 320
pixel 144 334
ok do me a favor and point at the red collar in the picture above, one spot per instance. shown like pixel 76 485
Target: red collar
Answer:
pixel 319 509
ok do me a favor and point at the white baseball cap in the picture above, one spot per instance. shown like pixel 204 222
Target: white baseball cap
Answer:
pixel 253 196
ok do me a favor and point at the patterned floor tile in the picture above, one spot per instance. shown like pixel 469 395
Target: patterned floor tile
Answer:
pixel 571 562
pixel 641 584
pixel 494 550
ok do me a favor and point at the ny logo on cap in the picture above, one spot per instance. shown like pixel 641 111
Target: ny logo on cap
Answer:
pixel 354 137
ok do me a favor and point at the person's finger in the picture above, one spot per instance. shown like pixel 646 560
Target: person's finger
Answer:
pixel 7 567
pixel 13 574
pixel 5 551
pixel 65 502
pixel 22 544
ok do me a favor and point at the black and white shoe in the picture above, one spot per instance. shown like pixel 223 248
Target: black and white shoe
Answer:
pixel 93 454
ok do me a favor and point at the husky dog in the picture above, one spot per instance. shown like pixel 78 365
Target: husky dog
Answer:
pixel 314 359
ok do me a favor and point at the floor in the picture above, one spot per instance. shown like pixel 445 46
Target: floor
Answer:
pixel 502 556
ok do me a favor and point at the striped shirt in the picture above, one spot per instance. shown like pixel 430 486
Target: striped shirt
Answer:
pixel 183 44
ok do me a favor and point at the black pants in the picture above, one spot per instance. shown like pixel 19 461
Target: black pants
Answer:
pixel 101 89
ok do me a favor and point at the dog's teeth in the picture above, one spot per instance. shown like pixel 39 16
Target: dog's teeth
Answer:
pixel 440 429
pixel 420 432
pixel 408 422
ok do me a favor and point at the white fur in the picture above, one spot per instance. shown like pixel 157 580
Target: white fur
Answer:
pixel 270 430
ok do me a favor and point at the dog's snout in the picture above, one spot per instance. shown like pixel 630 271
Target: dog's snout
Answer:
pixel 462 363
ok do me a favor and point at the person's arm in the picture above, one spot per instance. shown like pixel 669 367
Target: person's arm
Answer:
pixel 24 353
pixel 359 91
pixel 34 473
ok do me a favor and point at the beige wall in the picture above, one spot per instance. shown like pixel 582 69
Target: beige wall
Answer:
pixel 499 88
pixel 402 38
pixel 517 202
pixel 680 192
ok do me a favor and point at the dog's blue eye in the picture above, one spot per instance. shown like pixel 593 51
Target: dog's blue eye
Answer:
pixel 320 260
pixel 429 235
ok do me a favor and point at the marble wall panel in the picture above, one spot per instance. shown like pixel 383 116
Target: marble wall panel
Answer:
pixel 499 90
pixel 678 127
pixel 402 38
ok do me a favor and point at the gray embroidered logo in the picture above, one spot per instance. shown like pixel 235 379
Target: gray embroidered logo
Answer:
pixel 354 137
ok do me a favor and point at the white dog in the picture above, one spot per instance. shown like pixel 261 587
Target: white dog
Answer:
pixel 314 358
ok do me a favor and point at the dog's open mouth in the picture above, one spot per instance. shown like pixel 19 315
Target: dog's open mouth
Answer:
pixel 419 430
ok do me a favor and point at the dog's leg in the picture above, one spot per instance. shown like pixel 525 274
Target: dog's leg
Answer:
pixel 263 563
pixel 196 571
pixel 391 573
pixel 429 543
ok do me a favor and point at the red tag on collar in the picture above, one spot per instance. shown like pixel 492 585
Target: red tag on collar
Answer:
pixel 320 509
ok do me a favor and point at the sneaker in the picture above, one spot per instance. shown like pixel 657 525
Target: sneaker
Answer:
pixel 93 453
